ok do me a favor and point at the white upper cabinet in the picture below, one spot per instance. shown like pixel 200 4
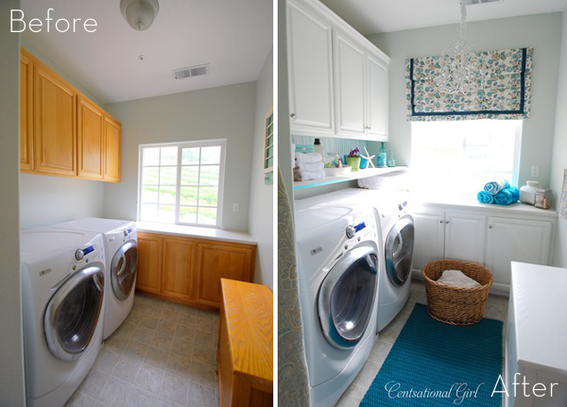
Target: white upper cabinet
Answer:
pixel 310 70
pixel 377 105
pixel 338 80
pixel 350 86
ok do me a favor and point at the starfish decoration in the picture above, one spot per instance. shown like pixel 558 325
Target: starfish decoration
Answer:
pixel 368 157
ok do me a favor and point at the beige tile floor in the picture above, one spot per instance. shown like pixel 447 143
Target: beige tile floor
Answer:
pixel 496 308
pixel 163 355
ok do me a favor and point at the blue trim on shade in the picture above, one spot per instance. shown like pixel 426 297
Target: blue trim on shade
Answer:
pixel 474 112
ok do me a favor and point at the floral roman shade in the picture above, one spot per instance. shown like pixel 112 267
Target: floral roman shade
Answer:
pixel 505 92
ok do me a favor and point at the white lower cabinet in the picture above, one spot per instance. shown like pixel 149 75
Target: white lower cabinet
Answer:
pixel 527 241
pixel 491 241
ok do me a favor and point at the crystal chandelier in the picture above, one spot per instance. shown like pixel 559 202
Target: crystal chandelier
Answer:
pixel 461 69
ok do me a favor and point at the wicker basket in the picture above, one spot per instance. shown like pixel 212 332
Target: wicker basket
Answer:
pixel 456 305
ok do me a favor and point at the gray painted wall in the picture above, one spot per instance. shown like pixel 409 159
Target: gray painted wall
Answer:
pixel 224 112
pixel 559 161
pixel 45 200
pixel 260 224
pixel 542 31
pixel 12 390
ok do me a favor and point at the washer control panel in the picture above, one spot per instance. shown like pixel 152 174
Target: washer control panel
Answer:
pixel 93 251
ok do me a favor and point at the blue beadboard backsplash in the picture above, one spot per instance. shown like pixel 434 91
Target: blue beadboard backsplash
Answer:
pixel 332 145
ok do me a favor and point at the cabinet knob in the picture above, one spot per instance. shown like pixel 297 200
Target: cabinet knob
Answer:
pixel 292 115
pixel 490 226
pixel 440 221
pixel 447 222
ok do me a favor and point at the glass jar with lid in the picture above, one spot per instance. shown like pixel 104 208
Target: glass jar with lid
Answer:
pixel 543 198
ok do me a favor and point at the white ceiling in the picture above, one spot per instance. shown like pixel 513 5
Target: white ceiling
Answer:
pixel 379 16
pixel 233 36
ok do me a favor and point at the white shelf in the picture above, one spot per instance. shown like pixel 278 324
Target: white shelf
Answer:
pixel 368 172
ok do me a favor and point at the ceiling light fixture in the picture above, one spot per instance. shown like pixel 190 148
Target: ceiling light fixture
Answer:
pixel 140 14
pixel 462 68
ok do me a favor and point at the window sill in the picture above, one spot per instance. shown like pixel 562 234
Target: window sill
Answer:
pixel 193 231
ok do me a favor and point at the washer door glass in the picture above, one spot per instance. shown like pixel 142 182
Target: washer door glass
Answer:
pixel 123 269
pixel 398 249
pixel 73 312
pixel 347 295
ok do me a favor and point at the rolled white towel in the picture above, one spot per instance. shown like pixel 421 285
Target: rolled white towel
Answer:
pixel 310 166
pixel 457 278
pixel 301 158
pixel 308 175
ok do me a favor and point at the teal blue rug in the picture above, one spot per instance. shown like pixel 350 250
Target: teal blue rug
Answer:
pixel 435 364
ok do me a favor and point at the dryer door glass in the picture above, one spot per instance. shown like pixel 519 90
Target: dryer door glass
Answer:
pixel 73 312
pixel 123 269
pixel 398 249
pixel 347 297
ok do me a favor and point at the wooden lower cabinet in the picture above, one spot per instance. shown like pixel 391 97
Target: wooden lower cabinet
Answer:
pixel 148 277
pixel 188 270
pixel 245 349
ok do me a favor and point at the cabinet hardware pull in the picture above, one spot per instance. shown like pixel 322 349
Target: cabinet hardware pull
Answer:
pixel 447 222
pixel 440 221
pixel 490 227
pixel 292 115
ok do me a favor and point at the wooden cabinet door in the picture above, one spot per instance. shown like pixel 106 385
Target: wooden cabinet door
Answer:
pixel 26 112
pixel 149 274
pixel 377 101
pixel 350 86
pixel 178 265
pixel 221 260
pixel 310 70
pixel 527 241
pixel 112 143
pixel 90 126
pixel 429 237
pixel 55 142
pixel 465 237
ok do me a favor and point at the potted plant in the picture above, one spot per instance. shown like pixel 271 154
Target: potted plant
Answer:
pixel 353 159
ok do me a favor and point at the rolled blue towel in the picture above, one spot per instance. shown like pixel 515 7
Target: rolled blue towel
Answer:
pixel 496 186
pixel 507 196
pixel 485 197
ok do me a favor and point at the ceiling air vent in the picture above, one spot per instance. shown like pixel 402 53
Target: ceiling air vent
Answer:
pixel 191 71
pixel 471 2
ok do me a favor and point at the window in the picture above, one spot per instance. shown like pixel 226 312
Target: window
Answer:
pixel 459 157
pixel 182 183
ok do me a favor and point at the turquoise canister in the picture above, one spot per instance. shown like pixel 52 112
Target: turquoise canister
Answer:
pixel 381 157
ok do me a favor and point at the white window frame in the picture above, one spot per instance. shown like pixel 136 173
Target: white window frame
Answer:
pixel 180 145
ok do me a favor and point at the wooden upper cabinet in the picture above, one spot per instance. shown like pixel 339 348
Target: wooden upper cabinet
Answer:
pixel 55 141
pixel 26 113
pixel 112 143
pixel 221 260
pixel 62 132
pixel 149 269
pixel 178 275
pixel 90 137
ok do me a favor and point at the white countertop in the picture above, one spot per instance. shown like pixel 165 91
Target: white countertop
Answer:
pixel 192 231
pixel 465 202
pixel 540 305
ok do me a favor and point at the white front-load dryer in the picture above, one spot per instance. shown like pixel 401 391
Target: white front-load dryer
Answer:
pixel 121 247
pixel 338 265
pixel 63 289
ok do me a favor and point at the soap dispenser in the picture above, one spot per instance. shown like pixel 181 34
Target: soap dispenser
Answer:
pixel 318 148
pixel 381 157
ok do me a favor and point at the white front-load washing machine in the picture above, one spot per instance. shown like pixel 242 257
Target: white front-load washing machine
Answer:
pixel 396 240
pixel 121 248
pixel 338 265
pixel 62 300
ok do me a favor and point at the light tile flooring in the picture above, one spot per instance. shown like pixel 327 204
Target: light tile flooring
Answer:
pixel 163 355
pixel 496 308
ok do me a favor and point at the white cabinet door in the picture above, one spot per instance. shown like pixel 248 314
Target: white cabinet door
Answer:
pixel 429 238
pixel 377 99
pixel 350 84
pixel 465 237
pixel 527 241
pixel 310 71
